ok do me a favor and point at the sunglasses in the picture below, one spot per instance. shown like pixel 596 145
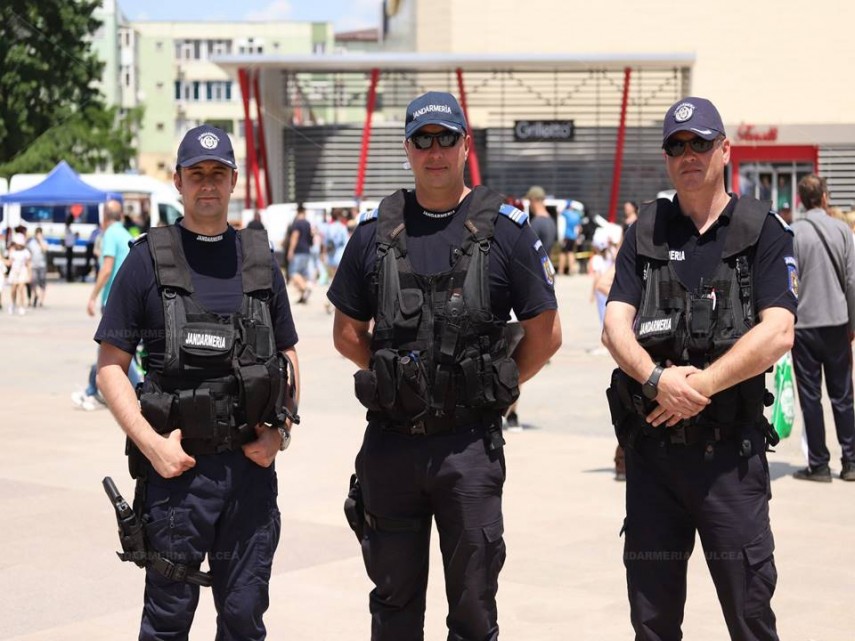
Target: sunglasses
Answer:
pixel 446 139
pixel 676 148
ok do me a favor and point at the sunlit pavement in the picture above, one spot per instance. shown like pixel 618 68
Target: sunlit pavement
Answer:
pixel 59 578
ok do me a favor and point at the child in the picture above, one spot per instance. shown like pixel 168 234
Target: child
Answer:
pixel 19 273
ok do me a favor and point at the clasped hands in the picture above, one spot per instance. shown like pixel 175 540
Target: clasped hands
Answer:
pixel 683 392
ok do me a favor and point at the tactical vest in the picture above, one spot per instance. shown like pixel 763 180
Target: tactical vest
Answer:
pixel 222 374
pixel 699 326
pixel 440 358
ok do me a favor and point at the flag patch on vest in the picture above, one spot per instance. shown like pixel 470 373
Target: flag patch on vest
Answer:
pixel 655 326
pixel 792 275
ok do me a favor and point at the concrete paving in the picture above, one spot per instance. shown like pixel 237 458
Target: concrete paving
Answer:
pixel 563 579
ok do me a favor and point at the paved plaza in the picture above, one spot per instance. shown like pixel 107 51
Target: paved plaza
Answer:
pixel 563 580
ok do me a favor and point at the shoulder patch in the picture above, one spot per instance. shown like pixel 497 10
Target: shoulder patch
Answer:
pixel 368 216
pixel 781 220
pixel 142 238
pixel 516 215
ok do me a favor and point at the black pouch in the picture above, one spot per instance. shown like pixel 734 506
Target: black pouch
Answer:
pixel 136 460
pixel 158 407
pixel 412 387
pixel 506 382
pixel 258 392
pixel 354 508
pixel 409 310
pixel 658 333
pixel 365 385
pixel 701 322
pixel 385 368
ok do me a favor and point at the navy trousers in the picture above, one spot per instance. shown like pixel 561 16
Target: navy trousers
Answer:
pixel 223 509
pixel 672 492
pixel 453 478
pixel 817 350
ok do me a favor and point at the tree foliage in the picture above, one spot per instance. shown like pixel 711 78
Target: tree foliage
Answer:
pixel 50 106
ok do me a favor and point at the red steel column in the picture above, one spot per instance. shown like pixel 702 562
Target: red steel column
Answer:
pixel 262 143
pixel 366 134
pixel 621 136
pixel 474 167
pixel 247 132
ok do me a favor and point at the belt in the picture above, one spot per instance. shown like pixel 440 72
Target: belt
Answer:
pixel 691 434
pixel 430 425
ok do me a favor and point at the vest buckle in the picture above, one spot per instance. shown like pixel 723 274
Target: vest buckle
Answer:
pixel 417 428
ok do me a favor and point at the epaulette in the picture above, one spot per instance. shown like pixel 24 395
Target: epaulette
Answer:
pixel 781 220
pixel 138 240
pixel 368 216
pixel 516 215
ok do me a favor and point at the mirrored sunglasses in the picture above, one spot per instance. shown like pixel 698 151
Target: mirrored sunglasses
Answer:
pixel 676 148
pixel 445 139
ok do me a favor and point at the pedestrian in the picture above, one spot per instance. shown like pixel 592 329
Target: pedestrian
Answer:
pixel 438 269
pixel 299 254
pixel 630 213
pixel 541 221
pixel 572 227
pixel 68 241
pixel 256 222
pixel 19 262
pixel 38 250
pixel 210 305
pixel 115 244
pixel 825 257
pixel 702 304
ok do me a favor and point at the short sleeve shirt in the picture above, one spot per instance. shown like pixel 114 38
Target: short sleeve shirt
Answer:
pixel 116 243
pixel 521 276
pixel 134 312
pixel 696 256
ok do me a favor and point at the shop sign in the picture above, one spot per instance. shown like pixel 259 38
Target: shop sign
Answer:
pixel 544 130
pixel 751 133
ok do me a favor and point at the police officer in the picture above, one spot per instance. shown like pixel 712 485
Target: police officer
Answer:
pixel 702 305
pixel 210 305
pixel 438 269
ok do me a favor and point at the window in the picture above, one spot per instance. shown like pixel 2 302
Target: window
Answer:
pixel 225 125
pixel 159 85
pixel 219 91
pixel 158 46
pixel 219 47
pixel 159 126
pixel 127 80
pixel 250 46
pixel 168 214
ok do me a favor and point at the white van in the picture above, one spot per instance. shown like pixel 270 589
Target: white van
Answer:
pixel 143 197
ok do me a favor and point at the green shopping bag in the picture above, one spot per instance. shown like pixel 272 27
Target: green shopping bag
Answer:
pixel 784 408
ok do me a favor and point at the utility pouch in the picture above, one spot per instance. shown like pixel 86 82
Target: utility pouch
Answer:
pixel 506 379
pixel 158 407
pixel 701 323
pixel 412 386
pixel 409 311
pixel 385 366
pixel 354 509
pixel 258 391
pixel 365 384
pixel 196 409
pixel 659 334
pixel 136 460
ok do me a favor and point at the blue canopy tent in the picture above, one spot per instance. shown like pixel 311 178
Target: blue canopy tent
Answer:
pixel 62 186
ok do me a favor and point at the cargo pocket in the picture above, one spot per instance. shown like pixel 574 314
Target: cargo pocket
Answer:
pixel 168 533
pixel 761 576
pixel 494 551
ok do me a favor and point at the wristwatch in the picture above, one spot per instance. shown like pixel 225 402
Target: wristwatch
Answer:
pixel 286 439
pixel 651 386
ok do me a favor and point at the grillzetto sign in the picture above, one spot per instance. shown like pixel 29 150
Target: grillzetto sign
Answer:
pixel 543 130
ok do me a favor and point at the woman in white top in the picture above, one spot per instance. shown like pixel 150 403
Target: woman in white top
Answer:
pixel 19 261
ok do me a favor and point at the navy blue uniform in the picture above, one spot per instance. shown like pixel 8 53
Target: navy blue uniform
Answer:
pixel 224 507
pixel 450 476
pixel 720 490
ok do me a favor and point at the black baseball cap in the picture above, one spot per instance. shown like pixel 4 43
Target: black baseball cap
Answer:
pixel 206 142
pixel 697 115
pixel 434 108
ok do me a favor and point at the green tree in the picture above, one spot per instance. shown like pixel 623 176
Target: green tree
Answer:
pixel 50 106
